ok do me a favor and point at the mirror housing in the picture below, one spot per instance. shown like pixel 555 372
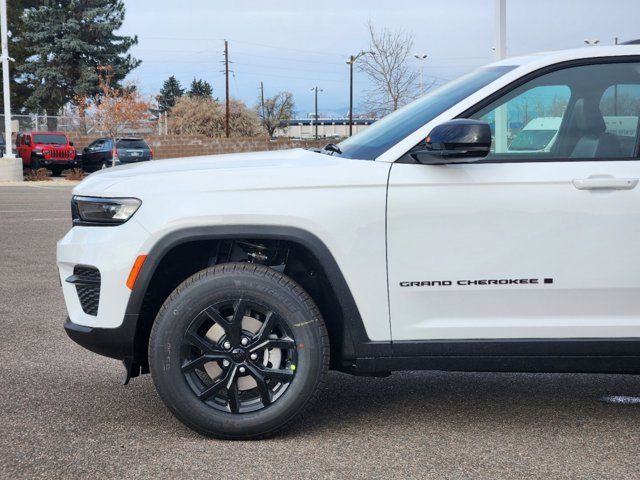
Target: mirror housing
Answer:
pixel 71 144
pixel 457 141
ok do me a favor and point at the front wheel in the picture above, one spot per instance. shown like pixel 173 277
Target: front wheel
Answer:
pixel 238 351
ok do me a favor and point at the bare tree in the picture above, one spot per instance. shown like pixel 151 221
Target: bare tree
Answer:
pixel 394 81
pixel 115 111
pixel 275 111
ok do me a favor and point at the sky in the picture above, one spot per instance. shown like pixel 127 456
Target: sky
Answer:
pixel 295 45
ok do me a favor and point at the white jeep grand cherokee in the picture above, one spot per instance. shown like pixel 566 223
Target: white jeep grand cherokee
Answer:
pixel 424 242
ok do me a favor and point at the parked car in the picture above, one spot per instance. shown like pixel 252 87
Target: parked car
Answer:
pixel 239 280
pixel 537 136
pixel 99 153
pixel 51 150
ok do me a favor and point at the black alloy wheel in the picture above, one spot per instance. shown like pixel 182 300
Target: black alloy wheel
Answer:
pixel 238 351
pixel 238 356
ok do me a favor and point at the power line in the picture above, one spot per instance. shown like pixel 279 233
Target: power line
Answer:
pixel 264 45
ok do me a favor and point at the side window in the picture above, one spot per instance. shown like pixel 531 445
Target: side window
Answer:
pixel 97 145
pixel 529 122
pixel 620 107
pixel 583 112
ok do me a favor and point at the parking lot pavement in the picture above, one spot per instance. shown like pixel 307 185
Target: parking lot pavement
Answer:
pixel 64 414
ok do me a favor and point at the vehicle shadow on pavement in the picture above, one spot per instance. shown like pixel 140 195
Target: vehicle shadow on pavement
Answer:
pixel 411 398
pixel 406 400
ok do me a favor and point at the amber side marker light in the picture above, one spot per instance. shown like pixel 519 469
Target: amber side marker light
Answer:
pixel 135 270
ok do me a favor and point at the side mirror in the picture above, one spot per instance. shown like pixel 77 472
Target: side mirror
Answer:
pixel 71 144
pixel 456 141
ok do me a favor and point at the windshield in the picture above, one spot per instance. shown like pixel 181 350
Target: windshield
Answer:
pixel 385 133
pixel 532 139
pixel 50 138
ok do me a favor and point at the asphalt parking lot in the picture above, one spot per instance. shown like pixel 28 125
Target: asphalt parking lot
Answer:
pixel 64 413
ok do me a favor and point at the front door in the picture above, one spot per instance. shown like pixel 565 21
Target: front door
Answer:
pixel 541 239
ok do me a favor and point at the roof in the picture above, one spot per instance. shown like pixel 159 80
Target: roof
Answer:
pixel 42 132
pixel 556 56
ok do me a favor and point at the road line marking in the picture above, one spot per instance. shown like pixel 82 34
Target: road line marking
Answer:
pixel 31 211
pixel 22 220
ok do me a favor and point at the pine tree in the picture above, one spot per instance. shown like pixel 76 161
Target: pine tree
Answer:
pixel 200 88
pixel 171 90
pixel 67 41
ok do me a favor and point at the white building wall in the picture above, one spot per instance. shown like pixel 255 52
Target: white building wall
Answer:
pixel 338 129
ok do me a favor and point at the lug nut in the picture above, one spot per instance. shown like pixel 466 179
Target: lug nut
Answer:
pixel 242 369
pixel 226 345
pixel 254 356
pixel 244 341
pixel 225 363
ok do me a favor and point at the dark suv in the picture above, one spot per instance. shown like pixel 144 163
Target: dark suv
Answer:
pixel 99 154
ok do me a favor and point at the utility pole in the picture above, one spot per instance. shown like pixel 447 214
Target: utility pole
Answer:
pixel 226 80
pixel 500 52
pixel 10 166
pixel 316 114
pixel 264 120
pixel 350 62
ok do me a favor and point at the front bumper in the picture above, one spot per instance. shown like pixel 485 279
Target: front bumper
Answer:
pixel 112 251
pixel 59 163
pixel 111 342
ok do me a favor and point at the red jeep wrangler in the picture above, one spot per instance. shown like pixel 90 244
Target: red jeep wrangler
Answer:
pixel 51 150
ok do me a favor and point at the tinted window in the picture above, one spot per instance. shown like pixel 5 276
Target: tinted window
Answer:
pixel 620 107
pixel 582 112
pixel 50 138
pixel 385 133
pixel 529 119
pixel 132 143
pixel 532 140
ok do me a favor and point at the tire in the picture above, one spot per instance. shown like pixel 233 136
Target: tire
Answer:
pixel 202 315
pixel 104 165
pixel 35 163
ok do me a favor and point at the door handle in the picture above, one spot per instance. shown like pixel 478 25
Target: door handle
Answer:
pixel 605 183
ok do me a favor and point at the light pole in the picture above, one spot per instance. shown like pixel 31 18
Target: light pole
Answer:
pixel 350 62
pixel 10 166
pixel 500 52
pixel 421 57
pixel 615 88
pixel 316 89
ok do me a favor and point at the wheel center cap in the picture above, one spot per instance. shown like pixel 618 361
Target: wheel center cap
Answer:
pixel 238 355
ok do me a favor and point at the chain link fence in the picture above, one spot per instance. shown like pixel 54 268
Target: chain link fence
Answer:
pixel 70 124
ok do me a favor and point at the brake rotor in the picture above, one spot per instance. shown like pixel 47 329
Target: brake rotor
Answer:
pixel 271 356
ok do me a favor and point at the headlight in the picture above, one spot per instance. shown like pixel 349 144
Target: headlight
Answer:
pixel 102 211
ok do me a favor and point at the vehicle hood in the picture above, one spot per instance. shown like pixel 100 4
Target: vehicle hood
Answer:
pixel 294 168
